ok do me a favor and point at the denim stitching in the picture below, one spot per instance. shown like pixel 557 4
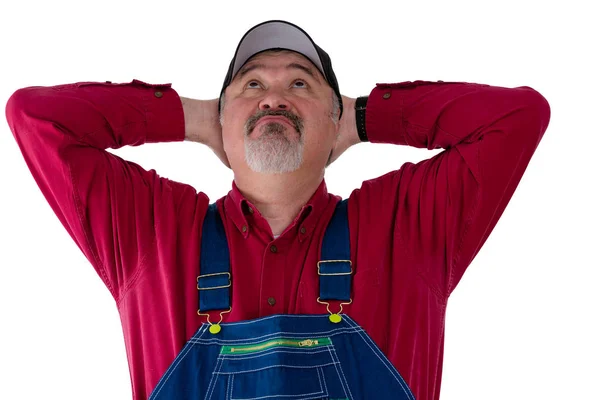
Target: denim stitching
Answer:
pixel 200 332
pixel 349 327
pixel 338 373
pixel 291 396
pixel 320 372
pixel 272 366
pixel 228 389
pixel 369 342
pixel 319 378
pixel 385 362
pixel 325 333
pixel 214 379
pixel 264 353
pixel 175 364
pixel 257 339
pixel 339 365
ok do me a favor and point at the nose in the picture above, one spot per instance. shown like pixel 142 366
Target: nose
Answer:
pixel 274 101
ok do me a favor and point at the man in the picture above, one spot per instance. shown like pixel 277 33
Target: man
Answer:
pixel 281 289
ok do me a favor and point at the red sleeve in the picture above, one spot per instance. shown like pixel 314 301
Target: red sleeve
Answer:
pixel 105 203
pixel 445 207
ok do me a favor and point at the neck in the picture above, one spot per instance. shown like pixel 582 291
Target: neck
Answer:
pixel 278 197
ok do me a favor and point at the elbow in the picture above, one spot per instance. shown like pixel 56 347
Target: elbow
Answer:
pixel 17 106
pixel 538 108
pixel 29 107
pixel 14 106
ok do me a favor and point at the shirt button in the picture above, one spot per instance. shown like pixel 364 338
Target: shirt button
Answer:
pixel 158 94
pixel 303 230
pixel 387 95
pixel 271 301
pixel 250 210
pixel 273 249
pixel 244 228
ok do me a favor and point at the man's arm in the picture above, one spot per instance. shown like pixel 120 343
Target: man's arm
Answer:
pixel 107 204
pixel 444 208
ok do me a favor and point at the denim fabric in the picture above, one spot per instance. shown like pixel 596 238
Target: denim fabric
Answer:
pixel 335 280
pixel 214 281
pixel 282 357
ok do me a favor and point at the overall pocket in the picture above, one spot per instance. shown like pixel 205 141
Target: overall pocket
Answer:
pixel 281 368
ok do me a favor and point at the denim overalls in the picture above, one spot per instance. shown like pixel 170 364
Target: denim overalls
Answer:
pixel 280 357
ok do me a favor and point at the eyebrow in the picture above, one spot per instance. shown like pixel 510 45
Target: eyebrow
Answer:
pixel 301 67
pixel 252 67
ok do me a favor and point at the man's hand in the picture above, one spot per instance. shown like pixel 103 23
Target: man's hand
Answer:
pixel 347 135
pixel 202 125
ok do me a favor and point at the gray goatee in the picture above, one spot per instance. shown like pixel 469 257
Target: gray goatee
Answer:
pixel 272 151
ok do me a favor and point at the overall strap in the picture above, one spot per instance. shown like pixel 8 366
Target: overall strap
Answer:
pixel 215 276
pixel 335 267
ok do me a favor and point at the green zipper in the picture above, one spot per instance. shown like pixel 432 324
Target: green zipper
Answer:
pixel 281 342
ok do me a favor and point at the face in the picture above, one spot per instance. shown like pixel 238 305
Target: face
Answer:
pixel 277 115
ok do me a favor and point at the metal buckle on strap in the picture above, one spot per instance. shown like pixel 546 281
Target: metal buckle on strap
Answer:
pixel 333 273
pixel 341 304
pixel 213 287
pixel 336 318
pixel 214 327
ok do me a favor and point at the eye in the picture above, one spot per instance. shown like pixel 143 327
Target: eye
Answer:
pixel 299 83
pixel 253 85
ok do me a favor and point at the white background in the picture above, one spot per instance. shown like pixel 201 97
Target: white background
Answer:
pixel 522 324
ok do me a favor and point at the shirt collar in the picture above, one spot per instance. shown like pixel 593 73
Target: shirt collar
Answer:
pixel 238 208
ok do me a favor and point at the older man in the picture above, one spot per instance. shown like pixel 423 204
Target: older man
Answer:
pixel 281 290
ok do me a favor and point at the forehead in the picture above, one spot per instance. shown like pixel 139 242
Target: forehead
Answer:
pixel 279 59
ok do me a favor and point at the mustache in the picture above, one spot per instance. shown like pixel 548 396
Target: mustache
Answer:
pixel 295 120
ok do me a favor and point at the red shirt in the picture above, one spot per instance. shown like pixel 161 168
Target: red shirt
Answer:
pixel 413 231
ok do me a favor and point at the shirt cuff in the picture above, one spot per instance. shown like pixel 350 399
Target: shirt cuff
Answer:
pixel 164 113
pixel 384 116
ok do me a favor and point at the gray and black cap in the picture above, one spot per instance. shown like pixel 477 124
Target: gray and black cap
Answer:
pixel 278 34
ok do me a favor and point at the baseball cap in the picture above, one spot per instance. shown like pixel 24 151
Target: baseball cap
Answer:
pixel 277 34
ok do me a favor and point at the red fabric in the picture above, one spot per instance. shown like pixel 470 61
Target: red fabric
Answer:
pixel 413 231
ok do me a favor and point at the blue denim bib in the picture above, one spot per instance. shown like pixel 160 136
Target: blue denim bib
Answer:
pixel 280 357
